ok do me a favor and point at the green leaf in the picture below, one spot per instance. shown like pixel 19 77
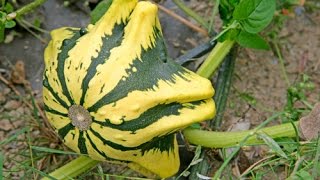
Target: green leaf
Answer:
pixel 254 15
pixel 99 10
pixel 272 144
pixel 3 17
pixel 1 32
pixel 37 22
pixel 10 24
pixel 249 40
pixel 8 8
pixel 226 8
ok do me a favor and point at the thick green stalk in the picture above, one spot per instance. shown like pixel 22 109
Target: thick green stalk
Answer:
pixel 74 168
pixel 222 87
pixel 213 139
pixel 25 9
pixel 215 58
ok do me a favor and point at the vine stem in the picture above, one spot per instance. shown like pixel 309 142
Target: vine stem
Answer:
pixel 215 58
pixel 73 168
pixel 25 9
pixel 213 139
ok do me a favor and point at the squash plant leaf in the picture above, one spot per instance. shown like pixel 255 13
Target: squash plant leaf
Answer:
pixel 100 10
pixel 2 25
pixel 254 15
pixel 10 24
pixel 1 31
pixel 226 7
pixel 249 40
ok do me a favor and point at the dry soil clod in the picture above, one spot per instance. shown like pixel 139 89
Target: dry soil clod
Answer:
pixel 309 125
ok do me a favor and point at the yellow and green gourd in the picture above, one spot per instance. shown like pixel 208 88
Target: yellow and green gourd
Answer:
pixel 111 92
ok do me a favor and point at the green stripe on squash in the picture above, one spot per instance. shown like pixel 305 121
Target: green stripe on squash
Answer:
pixel 118 71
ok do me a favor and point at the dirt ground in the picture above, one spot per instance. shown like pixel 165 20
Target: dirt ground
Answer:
pixel 257 73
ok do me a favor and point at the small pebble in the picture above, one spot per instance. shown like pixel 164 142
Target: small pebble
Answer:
pixel 36 132
pixel 18 124
pixel 2 98
pixel 53 145
pixel 12 105
pixel 5 125
pixel 2 135
pixel 6 91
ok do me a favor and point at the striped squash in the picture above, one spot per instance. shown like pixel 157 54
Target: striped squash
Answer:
pixel 111 92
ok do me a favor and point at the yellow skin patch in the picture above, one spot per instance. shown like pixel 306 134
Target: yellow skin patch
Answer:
pixel 164 93
pixel 51 55
pixel 186 117
pixel 144 18
pixel 151 98
pixel 85 50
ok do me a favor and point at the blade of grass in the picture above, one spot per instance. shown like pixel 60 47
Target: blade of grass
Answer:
pixel 195 160
pixel 283 69
pixel 315 169
pixel 213 15
pixel 38 171
pixel 1 164
pixel 183 20
pixel 18 133
pixel 272 144
pixel 54 151
pixel 191 13
pixel 31 154
pixel 35 111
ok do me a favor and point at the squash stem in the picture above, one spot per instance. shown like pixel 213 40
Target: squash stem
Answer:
pixel 214 139
pixel 72 169
pixel 215 58
pixel 25 9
